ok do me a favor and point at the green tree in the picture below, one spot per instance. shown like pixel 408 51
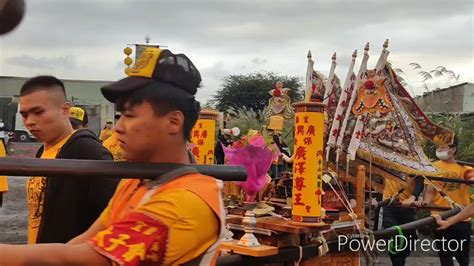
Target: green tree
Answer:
pixel 251 90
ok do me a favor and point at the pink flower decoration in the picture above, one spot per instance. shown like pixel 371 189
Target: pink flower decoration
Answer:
pixel 237 144
pixel 257 141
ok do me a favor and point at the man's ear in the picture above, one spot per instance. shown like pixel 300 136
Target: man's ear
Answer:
pixel 66 106
pixel 176 122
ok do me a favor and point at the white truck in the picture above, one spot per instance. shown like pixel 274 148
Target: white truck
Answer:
pixel 19 133
pixel 12 120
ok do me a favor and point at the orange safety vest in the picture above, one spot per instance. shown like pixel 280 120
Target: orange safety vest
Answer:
pixel 205 187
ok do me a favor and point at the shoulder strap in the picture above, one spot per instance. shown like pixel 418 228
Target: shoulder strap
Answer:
pixel 39 152
pixel 167 177
pixel 154 184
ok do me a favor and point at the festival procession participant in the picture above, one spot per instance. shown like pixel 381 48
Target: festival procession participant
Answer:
pixel 280 164
pixel 146 221
pixel 113 145
pixel 406 194
pixel 224 139
pixel 60 208
pixel 78 117
pixel 459 193
pixel 107 131
pixel 3 179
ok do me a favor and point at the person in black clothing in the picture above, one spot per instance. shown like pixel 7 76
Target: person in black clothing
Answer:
pixel 60 208
pixel 222 140
pixel 406 194
pixel 280 165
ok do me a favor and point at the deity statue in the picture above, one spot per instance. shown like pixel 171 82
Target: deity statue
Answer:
pixel 279 103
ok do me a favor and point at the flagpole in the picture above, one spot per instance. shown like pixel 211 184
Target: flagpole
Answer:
pixel 309 78
pixel 362 70
pixel 336 123
pixel 329 82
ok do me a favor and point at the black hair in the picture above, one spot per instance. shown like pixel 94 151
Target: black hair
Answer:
pixel 41 83
pixel 164 99
pixel 455 142
pixel 280 144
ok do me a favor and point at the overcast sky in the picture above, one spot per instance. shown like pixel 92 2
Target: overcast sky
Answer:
pixel 85 39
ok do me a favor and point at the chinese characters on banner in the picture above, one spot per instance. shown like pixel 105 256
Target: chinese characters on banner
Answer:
pixel 203 137
pixel 137 240
pixel 308 167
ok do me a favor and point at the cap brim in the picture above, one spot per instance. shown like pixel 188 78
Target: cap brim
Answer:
pixel 127 85
pixel 124 86
pixel 75 121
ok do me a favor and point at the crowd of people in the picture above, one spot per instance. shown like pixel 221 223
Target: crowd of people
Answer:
pixel 102 221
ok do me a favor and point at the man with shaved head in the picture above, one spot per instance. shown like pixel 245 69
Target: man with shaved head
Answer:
pixel 60 208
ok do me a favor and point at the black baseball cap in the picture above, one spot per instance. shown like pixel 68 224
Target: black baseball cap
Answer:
pixel 159 67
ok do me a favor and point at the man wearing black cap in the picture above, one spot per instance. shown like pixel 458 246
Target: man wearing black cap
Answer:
pixel 175 219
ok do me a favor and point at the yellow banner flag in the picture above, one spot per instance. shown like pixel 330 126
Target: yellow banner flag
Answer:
pixel 203 137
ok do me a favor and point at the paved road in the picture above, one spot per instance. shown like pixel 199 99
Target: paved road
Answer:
pixel 13 215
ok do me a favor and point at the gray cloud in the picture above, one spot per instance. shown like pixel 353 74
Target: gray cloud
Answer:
pixel 28 61
pixel 224 37
pixel 259 61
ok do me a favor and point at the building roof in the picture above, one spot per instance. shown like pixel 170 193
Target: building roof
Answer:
pixel 445 89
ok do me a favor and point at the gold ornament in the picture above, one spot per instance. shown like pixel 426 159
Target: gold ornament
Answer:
pixel 128 61
pixel 127 51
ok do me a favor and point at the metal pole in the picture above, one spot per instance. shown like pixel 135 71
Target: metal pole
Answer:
pixel 94 169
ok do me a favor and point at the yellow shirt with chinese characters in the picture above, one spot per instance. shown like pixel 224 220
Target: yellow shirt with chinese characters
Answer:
pixel 113 146
pixel 35 193
pixel 171 228
pixel 456 191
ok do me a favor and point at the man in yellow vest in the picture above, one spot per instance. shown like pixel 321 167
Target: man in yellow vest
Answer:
pixel 175 219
